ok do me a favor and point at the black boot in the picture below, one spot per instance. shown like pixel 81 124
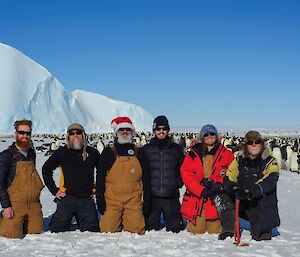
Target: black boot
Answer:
pixel 224 235
pixel 263 236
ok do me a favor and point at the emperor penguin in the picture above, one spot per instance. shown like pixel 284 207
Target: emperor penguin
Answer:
pixel 276 153
pixel 100 146
pixel 289 152
pixel 294 162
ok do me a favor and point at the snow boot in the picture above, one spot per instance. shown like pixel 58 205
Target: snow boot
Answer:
pixel 224 235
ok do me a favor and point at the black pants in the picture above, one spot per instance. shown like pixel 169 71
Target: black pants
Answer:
pixel 247 210
pixel 83 209
pixel 170 207
pixel 226 211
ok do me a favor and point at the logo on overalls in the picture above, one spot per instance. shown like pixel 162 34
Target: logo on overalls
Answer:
pixel 222 173
pixel 132 171
pixel 130 152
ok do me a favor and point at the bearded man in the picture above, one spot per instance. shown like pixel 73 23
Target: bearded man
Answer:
pixel 75 195
pixel 20 186
pixel 123 182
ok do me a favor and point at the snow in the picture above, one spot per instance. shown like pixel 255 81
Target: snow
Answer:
pixel 29 91
pixel 160 243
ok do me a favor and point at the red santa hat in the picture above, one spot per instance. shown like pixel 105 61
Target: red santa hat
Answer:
pixel 121 122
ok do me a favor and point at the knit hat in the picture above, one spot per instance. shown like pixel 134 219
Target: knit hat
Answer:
pixel 161 121
pixel 121 122
pixel 77 126
pixel 252 136
pixel 209 128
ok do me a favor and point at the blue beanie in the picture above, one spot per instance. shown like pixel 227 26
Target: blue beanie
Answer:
pixel 209 128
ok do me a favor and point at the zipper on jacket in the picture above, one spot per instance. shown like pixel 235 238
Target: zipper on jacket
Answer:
pixel 161 172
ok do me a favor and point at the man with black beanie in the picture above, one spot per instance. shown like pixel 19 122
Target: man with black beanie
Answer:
pixel 165 158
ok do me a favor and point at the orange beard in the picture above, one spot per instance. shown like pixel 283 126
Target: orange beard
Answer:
pixel 23 143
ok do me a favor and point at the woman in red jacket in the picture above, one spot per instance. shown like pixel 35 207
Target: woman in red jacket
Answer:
pixel 202 172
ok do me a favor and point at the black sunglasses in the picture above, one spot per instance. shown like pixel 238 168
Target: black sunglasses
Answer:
pixel 209 134
pixel 161 128
pixel 21 132
pixel 125 129
pixel 256 142
pixel 75 132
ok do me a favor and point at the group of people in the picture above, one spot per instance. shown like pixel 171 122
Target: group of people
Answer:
pixel 134 189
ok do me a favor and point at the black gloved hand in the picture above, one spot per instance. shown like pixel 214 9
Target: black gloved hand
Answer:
pixel 238 193
pixel 206 182
pixel 101 204
pixel 255 191
pixel 146 208
pixel 242 194
pixel 216 188
pixel 206 193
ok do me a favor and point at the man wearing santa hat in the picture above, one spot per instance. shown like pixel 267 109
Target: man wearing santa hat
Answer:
pixel 123 182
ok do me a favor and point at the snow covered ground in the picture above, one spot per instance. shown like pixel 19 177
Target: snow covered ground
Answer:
pixel 161 243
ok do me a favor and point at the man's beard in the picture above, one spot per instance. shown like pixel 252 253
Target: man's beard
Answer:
pixel 23 144
pixel 124 139
pixel 77 145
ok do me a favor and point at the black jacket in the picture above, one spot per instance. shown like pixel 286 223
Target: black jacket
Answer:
pixel 78 174
pixel 262 171
pixel 107 160
pixel 165 158
pixel 8 163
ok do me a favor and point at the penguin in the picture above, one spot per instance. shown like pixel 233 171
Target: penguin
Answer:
pixel 276 153
pixel 294 162
pixel 100 146
pixel 289 152
pixel 143 140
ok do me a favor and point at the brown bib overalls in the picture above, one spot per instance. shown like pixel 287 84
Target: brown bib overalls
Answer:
pixel 123 196
pixel 24 194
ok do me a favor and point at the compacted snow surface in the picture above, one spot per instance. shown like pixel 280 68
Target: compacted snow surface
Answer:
pixel 160 243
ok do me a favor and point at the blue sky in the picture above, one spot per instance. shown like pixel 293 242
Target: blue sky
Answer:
pixel 233 63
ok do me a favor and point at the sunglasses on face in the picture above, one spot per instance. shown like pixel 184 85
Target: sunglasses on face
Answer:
pixel 21 132
pixel 124 129
pixel 256 142
pixel 75 132
pixel 161 128
pixel 209 134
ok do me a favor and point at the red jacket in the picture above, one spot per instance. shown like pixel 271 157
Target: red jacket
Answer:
pixel 192 174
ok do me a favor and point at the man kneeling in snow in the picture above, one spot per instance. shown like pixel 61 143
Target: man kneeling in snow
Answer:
pixel 20 186
pixel 78 162
pixel 122 182
pixel 252 178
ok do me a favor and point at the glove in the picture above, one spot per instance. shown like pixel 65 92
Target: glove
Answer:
pixel 146 208
pixel 239 193
pixel 229 186
pixel 242 194
pixel 101 204
pixel 255 191
pixel 206 182
pixel 206 193
pixel 216 188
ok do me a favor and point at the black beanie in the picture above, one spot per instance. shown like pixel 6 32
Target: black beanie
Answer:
pixel 161 121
